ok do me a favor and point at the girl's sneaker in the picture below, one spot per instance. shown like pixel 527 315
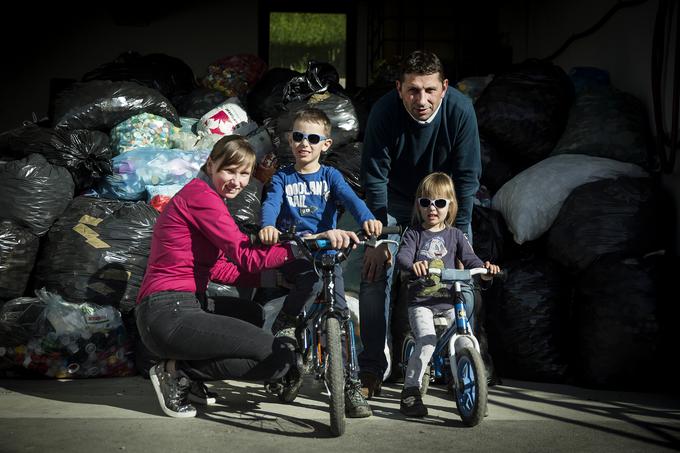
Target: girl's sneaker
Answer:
pixel 412 403
pixel 172 390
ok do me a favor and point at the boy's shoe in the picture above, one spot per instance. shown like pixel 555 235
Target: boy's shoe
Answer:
pixel 356 405
pixel 284 325
pixel 370 385
pixel 172 391
pixel 411 403
pixel 199 393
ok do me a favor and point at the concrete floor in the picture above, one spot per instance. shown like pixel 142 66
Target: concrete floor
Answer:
pixel 122 414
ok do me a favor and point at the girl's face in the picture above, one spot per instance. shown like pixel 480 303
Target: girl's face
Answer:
pixel 433 210
pixel 229 181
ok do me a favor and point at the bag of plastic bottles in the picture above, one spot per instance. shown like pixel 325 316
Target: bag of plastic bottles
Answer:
pixel 70 340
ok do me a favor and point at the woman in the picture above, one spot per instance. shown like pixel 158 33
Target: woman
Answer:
pixel 195 239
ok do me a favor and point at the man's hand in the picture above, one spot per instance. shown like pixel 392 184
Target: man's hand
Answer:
pixel 493 270
pixel 376 260
pixel 373 227
pixel 420 268
pixel 268 235
pixel 340 239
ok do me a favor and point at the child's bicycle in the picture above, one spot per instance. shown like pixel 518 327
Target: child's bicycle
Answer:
pixel 322 328
pixel 456 358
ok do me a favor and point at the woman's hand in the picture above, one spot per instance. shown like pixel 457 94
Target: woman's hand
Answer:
pixel 420 268
pixel 340 239
pixel 373 227
pixel 268 235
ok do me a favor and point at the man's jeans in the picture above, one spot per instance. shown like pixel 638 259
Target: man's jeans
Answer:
pixel 375 309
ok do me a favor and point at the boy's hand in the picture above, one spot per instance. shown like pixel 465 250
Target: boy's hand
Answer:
pixel 376 260
pixel 493 270
pixel 340 239
pixel 373 227
pixel 269 235
pixel 420 268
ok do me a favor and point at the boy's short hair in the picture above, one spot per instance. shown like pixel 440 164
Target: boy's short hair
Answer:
pixel 421 62
pixel 313 115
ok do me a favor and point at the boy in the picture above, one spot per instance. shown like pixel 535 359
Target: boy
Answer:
pixel 304 195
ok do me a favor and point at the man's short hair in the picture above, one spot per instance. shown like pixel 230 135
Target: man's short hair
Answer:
pixel 421 62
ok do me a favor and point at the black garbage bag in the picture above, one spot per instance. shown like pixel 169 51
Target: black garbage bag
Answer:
pixel 528 320
pixel 101 104
pixel 611 215
pixel 85 154
pixel 265 100
pixel 347 159
pixel 199 102
pixel 247 206
pixel 18 249
pixel 524 110
pixel 169 75
pixel 617 330
pixel 34 192
pixel 606 122
pixel 496 167
pixel 489 234
pixel 97 252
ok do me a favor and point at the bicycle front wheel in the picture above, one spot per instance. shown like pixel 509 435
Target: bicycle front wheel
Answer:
pixel 335 376
pixel 471 392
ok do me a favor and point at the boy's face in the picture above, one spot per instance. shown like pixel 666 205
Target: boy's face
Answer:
pixel 304 151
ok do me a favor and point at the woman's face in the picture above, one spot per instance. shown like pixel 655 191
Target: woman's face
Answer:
pixel 229 181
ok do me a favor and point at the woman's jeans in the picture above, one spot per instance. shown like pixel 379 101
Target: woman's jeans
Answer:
pixel 208 346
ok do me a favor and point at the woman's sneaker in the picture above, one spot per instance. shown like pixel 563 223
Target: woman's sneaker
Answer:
pixel 411 403
pixel 199 393
pixel 172 391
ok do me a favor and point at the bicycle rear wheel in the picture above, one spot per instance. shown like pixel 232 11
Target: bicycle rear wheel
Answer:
pixel 407 348
pixel 335 376
pixel 471 392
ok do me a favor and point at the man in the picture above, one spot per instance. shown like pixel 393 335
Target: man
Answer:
pixel 422 127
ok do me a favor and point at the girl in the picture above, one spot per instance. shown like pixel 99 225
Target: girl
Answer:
pixel 432 241
pixel 195 240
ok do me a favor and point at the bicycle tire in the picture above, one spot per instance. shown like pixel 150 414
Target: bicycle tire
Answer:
pixel 335 376
pixel 407 348
pixel 472 392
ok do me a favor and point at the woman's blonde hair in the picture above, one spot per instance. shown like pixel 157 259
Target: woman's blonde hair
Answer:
pixel 235 150
pixel 433 186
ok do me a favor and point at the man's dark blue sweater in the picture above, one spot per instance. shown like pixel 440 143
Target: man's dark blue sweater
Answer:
pixel 400 151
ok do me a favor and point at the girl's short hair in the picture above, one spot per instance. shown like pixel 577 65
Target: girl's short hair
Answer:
pixel 314 115
pixel 436 185
pixel 235 151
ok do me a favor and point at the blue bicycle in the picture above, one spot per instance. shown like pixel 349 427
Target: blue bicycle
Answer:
pixel 457 360
pixel 323 329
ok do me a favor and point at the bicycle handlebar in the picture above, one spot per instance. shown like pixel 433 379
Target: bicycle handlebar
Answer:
pixel 463 275
pixel 309 245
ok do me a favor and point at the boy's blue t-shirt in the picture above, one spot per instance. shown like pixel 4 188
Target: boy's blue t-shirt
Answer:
pixel 309 201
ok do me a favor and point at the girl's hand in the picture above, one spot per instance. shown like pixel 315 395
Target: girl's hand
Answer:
pixel 420 268
pixel 493 270
pixel 373 227
pixel 268 235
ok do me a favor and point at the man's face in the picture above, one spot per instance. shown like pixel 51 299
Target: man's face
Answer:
pixel 422 94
